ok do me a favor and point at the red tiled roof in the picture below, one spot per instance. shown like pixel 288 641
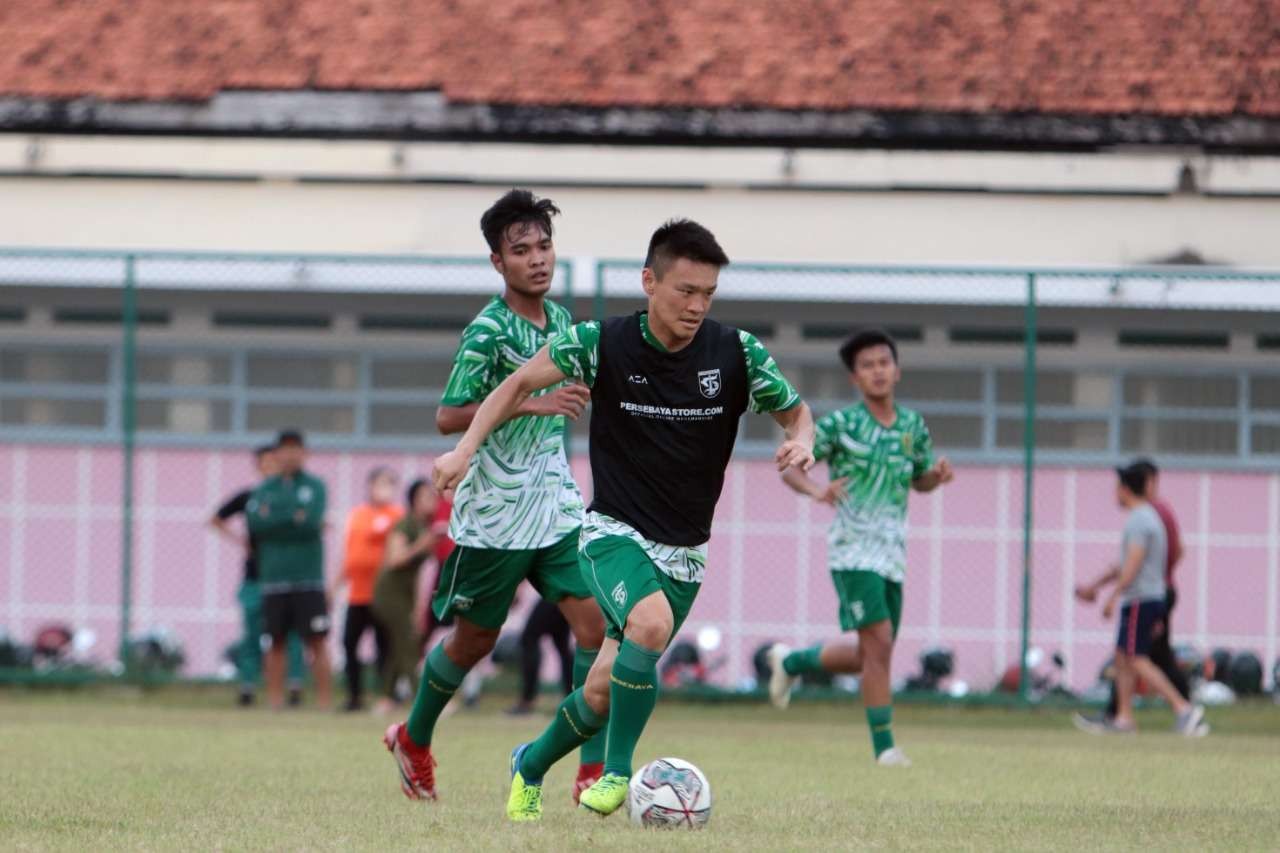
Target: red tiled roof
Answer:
pixel 1156 57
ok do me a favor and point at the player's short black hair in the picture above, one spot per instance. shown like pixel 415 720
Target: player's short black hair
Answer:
pixel 1147 464
pixel 1134 477
pixel 262 450
pixel 516 207
pixel 865 339
pixel 683 238
pixel 412 492
pixel 290 436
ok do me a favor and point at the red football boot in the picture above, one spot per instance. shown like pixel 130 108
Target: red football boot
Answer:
pixel 588 775
pixel 417 767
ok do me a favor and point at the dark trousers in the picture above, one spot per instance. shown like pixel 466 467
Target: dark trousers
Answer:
pixel 360 619
pixel 545 620
pixel 1162 656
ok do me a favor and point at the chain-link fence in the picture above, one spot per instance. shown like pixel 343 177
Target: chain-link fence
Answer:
pixel 134 385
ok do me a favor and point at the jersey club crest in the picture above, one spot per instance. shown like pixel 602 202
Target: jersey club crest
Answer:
pixel 709 382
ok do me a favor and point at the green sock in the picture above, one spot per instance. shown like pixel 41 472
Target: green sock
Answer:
pixel 573 725
pixel 803 660
pixel 880 721
pixel 592 750
pixel 633 691
pixel 440 678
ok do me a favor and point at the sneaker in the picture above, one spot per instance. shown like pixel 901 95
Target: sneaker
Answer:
pixel 417 767
pixel 588 775
pixel 893 757
pixel 245 699
pixel 295 697
pixel 1189 721
pixel 525 802
pixel 780 684
pixel 1092 724
pixel 606 796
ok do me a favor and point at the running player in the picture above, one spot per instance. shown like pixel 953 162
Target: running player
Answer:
pixel 667 388
pixel 517 511
pixel 877 451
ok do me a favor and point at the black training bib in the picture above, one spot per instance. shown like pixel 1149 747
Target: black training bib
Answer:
pixel 663 427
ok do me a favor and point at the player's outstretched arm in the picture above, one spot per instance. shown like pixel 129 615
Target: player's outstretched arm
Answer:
pixel 569 401
pixel 796 450
pixel 499 407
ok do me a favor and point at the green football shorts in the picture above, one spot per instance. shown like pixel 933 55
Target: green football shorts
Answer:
pixel 867 598
pixel 479 584
pixel 620 573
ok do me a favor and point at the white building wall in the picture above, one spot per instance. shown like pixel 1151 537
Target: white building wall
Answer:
pixel 766 205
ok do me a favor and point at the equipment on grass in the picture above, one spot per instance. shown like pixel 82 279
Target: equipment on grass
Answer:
pixel 669 793
pixel 1190 661
pixel 1245 674
pixel 936 665
pixel 1218 667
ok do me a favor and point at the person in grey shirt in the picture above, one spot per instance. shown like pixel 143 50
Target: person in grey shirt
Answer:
pixel 1139 592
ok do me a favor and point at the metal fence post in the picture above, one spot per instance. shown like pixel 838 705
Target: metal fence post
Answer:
pixel 128 421
pixel 1028 473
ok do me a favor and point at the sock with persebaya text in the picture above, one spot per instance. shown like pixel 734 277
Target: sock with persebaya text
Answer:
pixel 633 692
pixel 803 660
pixel 440 678
pixel 573 725
pixel 880 721
pixel 592 750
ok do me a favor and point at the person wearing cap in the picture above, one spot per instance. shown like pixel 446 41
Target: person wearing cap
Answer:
pixel 1139 594
pixel 286 518
pixel 1162 646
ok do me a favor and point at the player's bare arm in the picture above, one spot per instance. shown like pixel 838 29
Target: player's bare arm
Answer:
pixel 796 450
pixel 940 474
pixel 499 407
pixel 224 529
pixel 1128 573
pixel 570 401
pixel 1088 592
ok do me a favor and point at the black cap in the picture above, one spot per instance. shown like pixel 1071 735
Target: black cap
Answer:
pixel 1134 477
pixel 290 436
pixel 263 449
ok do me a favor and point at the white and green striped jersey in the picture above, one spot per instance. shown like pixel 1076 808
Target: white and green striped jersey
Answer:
pixel 869 532
pixel 682 562
pixel 519 492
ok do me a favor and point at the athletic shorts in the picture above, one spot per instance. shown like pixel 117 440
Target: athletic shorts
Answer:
pixel 620 573
pixel 1140 622
pixel 304 612
pixel 867 598
pixel 479 584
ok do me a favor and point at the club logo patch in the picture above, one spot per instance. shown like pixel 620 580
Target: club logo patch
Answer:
pixel 709 382
pixel 907 443
pixel 462 602
pixel 620 594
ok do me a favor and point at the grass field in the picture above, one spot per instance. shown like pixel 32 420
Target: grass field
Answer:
pixel 102 769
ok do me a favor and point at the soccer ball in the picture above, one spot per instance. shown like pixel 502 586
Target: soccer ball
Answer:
pixel 669 792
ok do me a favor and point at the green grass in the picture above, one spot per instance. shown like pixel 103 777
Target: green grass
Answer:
pixel 109 769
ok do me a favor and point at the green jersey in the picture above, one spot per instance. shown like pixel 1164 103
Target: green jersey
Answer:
pixel 286 518
pixel 576 353
pixel 519 492
pixel 869 532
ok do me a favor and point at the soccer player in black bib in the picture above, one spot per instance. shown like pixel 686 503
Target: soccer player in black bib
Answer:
pixel 668 387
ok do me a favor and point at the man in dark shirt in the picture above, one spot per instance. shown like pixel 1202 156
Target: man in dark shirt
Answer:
pixel 249 651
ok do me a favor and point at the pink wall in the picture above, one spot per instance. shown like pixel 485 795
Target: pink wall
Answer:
pixel 60 556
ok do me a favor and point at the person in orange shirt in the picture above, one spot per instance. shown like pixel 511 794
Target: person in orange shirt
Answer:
pixel 367 529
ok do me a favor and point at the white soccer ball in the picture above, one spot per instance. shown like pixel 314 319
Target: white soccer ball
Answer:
pixel 669 793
